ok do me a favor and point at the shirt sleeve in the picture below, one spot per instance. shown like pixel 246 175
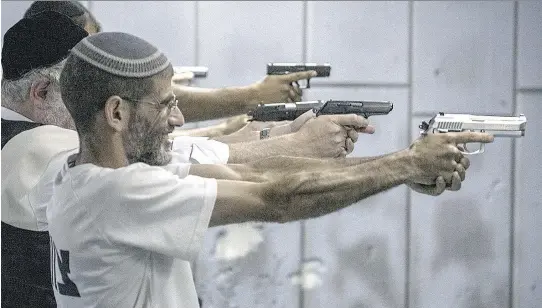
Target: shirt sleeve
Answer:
pixel 177 167
pixel 201 150
pixel 159 211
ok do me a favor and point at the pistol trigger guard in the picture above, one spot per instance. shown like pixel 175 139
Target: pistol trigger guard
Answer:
pixel 479 151
pixel 305 87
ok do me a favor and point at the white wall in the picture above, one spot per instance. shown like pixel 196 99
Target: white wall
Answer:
pixel 479 247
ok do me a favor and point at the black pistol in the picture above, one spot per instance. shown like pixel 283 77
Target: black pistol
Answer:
pixel 362 108
pixel 282 111
pixel 290 111
pixel 322 70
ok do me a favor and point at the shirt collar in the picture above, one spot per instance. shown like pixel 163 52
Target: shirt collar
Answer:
pixel 10 115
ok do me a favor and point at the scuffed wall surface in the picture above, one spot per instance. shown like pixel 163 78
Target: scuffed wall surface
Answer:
pixel 366 42
pixel 527 269
pixel 462 57
pixel 460 241
pixel 250 265
pixel 528 211
pixel 480 247
pixel 272 32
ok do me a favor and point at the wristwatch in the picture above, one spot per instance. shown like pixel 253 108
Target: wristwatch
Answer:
pixel 264 133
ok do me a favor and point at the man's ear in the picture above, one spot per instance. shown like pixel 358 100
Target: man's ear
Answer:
pixel 117 113
pixel 38 92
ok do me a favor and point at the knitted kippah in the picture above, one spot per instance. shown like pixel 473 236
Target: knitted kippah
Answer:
pixel 39 41
pixel 121 54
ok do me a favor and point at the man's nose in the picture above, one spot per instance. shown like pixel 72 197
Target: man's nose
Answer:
pixel 176 117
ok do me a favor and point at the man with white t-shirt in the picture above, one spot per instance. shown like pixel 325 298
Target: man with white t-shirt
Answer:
pixel 125 218
pixel 36 126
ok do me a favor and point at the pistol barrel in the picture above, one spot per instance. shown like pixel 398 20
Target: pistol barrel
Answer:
pixel 322 70
pixel 510 134
pixel 282 111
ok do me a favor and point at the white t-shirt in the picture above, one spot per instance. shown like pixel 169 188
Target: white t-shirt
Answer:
pixel 25 157
pixel 124 237
pixel 24 160
pixel 201 150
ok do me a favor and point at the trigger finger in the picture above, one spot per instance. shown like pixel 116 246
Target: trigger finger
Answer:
pixel 369 129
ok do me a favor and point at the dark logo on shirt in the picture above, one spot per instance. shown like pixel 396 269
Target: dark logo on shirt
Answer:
pixel 60 262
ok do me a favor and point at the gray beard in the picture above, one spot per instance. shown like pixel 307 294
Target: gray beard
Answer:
pixel 144 143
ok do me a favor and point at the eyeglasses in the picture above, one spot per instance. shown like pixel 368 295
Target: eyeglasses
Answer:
pixel 164 105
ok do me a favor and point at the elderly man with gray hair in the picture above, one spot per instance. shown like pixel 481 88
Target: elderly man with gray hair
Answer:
pixel 33 55
pixel 31 71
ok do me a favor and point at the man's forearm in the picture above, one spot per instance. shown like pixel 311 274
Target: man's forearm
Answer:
pixel 246 194
pixel 209 131
pixel 278 164
pixel 200 104
pixel 245 152
pixel 274 167
pixel 217 131
pixel 308 194
pixel 236 138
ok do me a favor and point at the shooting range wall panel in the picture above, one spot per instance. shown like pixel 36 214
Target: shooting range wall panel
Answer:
pixel 170 25
pixel 365 42
pixel 528 206
pixel 530 44
pixel 249 265
pixel 12 12
pixel 463 57
pixel 358 255
pixel 460 241
pixel 237 39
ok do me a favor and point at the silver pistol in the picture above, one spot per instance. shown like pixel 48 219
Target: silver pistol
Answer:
pixel 497 126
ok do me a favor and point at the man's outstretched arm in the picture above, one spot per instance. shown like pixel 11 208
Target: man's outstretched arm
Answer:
pixel 286 195
pixel 272 167
pixel 200 104
pixel 325 136
pixel 229 126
